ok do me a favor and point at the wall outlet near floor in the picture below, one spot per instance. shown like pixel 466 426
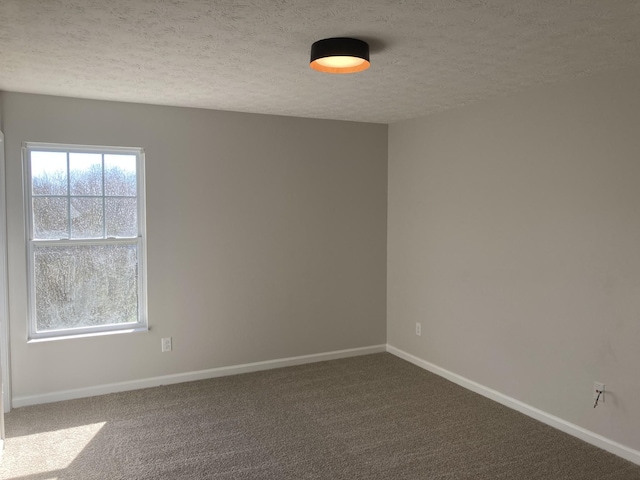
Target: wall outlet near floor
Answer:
pixel 166 344
pixel 418 329
pixel 597 388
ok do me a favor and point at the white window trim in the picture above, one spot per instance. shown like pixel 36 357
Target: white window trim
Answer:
pixel 5 357
pixel 79 332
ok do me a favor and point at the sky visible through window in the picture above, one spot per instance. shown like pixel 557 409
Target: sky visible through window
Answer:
pixel 56 162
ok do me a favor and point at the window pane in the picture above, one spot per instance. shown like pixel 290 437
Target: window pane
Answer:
pixel 121 217
pixel 85 285
pixel 50 219
pixel 120 175
pixel 86 218
pixel 49 173
pixel 85 173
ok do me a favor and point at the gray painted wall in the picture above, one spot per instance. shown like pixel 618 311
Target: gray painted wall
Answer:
pixel 514 238
pixel 2 320
pixel 266 238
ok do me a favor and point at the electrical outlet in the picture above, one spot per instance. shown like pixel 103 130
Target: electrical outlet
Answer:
pixel 166 344
pixel 597 388
pixel 418 329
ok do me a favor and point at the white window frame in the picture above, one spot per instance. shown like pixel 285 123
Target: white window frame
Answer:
pixel 139 242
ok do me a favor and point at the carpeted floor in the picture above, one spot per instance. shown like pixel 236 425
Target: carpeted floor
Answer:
pixel 371 417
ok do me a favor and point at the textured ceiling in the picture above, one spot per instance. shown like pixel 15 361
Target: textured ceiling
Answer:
pixel 252 55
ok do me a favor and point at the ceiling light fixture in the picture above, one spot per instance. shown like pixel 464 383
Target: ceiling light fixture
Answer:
pixel 340 55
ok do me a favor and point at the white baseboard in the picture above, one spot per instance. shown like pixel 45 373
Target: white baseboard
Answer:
pixel 544 417
pixel 23 401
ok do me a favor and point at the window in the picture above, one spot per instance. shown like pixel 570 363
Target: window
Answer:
pixel 85 239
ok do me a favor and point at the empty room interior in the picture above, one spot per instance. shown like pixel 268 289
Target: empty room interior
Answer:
pixel 224 256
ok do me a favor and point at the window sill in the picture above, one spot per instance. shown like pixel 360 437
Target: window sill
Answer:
pixel 85 335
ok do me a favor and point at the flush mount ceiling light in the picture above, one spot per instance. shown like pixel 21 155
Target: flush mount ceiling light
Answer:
pixel 340 55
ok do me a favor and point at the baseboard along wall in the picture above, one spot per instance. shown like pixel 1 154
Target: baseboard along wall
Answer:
pixel 583 434
pixel 23 401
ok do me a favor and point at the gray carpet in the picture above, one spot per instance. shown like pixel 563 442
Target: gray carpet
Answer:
pixel 370 417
